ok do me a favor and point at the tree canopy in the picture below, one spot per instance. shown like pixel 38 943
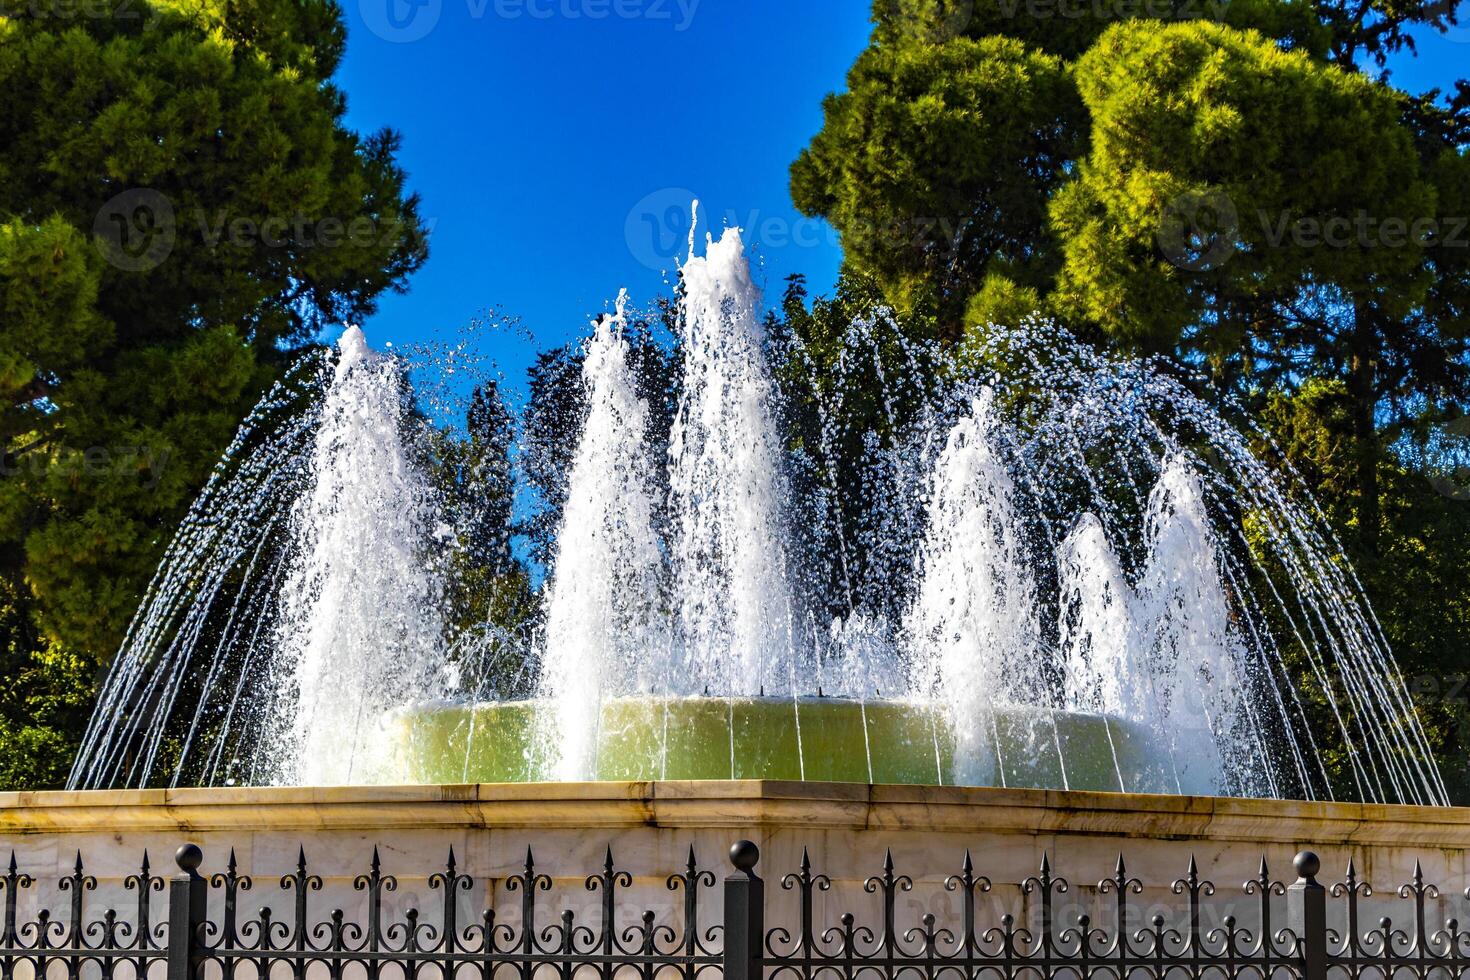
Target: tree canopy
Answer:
pixel 1238 185
pixel 181 206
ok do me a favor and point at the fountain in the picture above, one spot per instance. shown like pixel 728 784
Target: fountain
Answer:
pixel 973 622
pixel 298 603
pixel 1076 575
pixel 602 619
pixel 342 660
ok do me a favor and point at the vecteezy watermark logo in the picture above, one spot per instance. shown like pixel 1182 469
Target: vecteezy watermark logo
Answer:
pixel 1199 230
pixel 218 230
pixel 1364 231
pixel 679 13
pixel 1453 480
pixel 1457 23
pixel 135 230
pixel 1448 689
pixel 657 227
pixel 932 20
pixel 401 21
pixel 98 10
pixel 1104 10
pixel 143 465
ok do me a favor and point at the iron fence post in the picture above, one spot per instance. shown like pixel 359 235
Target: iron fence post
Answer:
pixel 745 914
pixel 1306 907
pixel 188 899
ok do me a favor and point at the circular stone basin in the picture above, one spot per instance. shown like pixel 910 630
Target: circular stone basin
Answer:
pixel 827 739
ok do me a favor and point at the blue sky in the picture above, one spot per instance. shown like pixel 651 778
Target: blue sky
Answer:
pixel 556 144
pixel 556 156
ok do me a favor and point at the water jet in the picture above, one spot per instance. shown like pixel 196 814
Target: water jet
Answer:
pixel 1076 575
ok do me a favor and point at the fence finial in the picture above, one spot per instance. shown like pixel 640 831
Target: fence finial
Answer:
pixel 189 858
pixel 1307 865
pixel 745 855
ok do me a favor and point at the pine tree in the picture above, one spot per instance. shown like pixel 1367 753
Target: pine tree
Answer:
pixel 181 208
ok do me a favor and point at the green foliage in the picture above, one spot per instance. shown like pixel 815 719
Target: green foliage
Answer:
pixel 180 207
pixel 1274 216
pixel 1002 301
pixel 939 160
pixel 45 697
pixel 1196 118
pixel 1416 578
pixel 1223 183
pixel 172 178
pixel 1067 28
pixel 474 475
pixel 554 415
pixel 960 123
pixel 487 480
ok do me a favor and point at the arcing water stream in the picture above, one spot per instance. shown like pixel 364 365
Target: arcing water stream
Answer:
pixel 1054 549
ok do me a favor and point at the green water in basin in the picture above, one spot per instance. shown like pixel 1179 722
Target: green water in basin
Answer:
pixel 826 739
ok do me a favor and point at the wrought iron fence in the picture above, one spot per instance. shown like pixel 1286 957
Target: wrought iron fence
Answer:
pixel 1035 942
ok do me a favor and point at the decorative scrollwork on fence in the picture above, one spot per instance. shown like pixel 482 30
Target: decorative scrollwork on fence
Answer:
pixel 204 932
pixel 109 947
pixel 1386 951
pixel 1034 946
pixel 415 945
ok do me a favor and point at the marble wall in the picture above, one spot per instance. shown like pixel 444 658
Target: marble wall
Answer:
pixel 651 827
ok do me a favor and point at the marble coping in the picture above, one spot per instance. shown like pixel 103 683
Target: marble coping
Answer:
pixel 751 804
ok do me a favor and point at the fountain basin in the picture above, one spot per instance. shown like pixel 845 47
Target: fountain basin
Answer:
pixel 815 739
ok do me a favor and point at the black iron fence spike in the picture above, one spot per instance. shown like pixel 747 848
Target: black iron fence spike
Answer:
pixel 1173 941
